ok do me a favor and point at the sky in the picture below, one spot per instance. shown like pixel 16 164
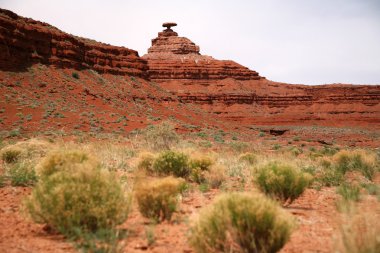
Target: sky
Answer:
pixel 293 41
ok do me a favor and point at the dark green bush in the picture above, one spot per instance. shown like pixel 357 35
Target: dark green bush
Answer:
pixel 172 163
pixel 75 75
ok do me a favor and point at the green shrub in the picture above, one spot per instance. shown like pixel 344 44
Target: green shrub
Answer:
pixel 249 158
pixel 78 197
pixel 22 174
pixel 349 192
pixel 161 136
pixel 282 182
pixel 172 163
pixel 241 222
pixel 356 161
pixel 158 198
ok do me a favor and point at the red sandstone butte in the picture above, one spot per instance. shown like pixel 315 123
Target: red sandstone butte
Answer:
pixel 24 41
pixel 177 58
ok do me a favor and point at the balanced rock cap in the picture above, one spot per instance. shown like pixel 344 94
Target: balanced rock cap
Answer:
pixel 169 24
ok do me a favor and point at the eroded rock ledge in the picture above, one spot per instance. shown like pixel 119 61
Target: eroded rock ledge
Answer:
pixel 24 41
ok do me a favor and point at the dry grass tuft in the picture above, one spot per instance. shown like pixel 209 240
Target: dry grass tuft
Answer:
pixel 158 198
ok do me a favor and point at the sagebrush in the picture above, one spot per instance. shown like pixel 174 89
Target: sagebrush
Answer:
pixel 282 182
pixel 239 223
pixel 158 198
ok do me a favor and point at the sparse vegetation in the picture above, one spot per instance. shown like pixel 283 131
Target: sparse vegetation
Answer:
pixel 97 175
pixel 241 222
pixel 249 158
pixel 146 161
pixel 161 136
pixel 215 176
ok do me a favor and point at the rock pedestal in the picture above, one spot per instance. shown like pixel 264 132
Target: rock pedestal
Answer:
pixel 172 57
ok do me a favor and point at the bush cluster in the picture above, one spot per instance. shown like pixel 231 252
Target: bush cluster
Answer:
pixel 241 222
pixel 198 168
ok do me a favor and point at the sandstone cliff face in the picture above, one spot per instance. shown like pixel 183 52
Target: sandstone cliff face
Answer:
pixel 177 58
pixel 24 42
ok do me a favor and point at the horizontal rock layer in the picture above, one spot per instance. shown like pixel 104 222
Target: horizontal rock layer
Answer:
pixel 24 41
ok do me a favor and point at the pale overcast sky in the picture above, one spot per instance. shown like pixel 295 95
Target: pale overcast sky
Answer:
pixel 295 41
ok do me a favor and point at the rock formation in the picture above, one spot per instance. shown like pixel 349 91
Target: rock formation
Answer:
pixel 24 42
pixel 228 93
pixel 177 58
pixel 237 94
